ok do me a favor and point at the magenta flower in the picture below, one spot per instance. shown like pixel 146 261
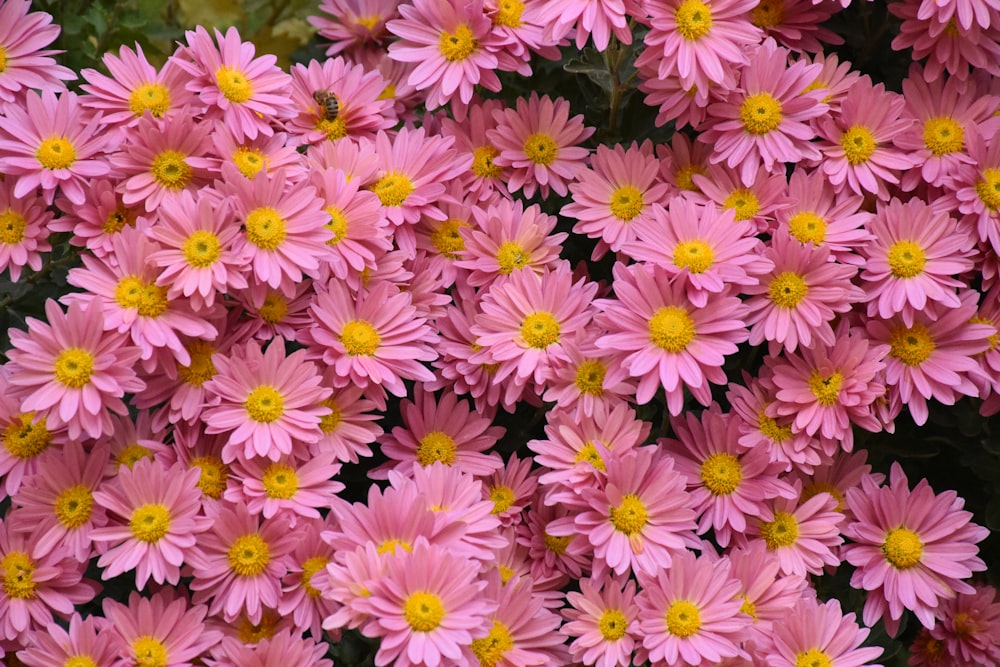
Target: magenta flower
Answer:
pixel 24 231
pixel 27 64
pixel 602 622
pixel 288 486
pixel 969 626
pixel 802 535
pixel 820 634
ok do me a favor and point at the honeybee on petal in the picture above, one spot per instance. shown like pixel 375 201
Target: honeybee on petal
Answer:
pixel 329 107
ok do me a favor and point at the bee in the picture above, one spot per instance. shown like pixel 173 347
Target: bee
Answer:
pixel 329 107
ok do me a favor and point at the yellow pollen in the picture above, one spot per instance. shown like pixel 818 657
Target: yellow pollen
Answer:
pixel 447 239
pixel 250 161
pixel 626 202
pixel 769 428
pixel 557 544
pixel 201 369
pixel 116 221
pixel 56 153
pixel 817 488
pixel 768 14
pixel 512 256
pixel 612 624
pixel 214 474
pixel 265 228
pixel 253 633
pixel 337 224
pixel 389 546
pixel 721 474
pixel 201 249
pixel 590 454
pixel 988 189
pixel 170 170
pixel 359 338
pixel 333 129
pixel 630 516
pixel 274 308
pixel 744 203
pixel 508 14
pixel 149 522
pixel 329 423
pixel 911 345
pixel 906 259
pixel 540 329
pixel 694 19
pixel 393 189
pixel 683 618
pixel 783 531
pixel 944 135
pixel 902 548
pixel 24 438
pixel 3 60
pixel 748 608
pixel 148 651
pixel 671 329
pixel 309 568
pixel 148 299
pixel 858 144
pixel 249 555
pixel 589 377
pixel 369 21
pixel 696 256
pixel 423 611
pixel 965 625
pixel 12 226
pixel 436 446
pixel 684 179
pixel 826 388
pixel 760 114
pixel 541 148
pixel 993 339
pixel 151 97
pixel 132 454
pixel 503 497
pixel 787 289
pixel 280 481
pixel 459 45
pixel 812 658
pixel 234 84
pixel 265 404
pixel 17 570
pixel 73 506
pixel 388 93
pixel 483 165
pixel 807 227
pixel 73 367
pixel 79 661
pixel 491 648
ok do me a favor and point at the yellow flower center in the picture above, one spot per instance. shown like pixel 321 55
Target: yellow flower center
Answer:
pixel 858 144
pixel 393 189
pixel 812 658
pixel 280 481
pixel 389 546
pixel 25 438
pixel 337 224
pixel 436 446
pixel 149 299
pixel 671 329
pixel 511 256
pixel 274 308
pixel 458 45
pixel 769 427
pixel 151 97
pixel 695 256
pixel 626 202
pixel 911 345
pixel 201 249
pixel 234 84
pixel 250 161
pixel 612 624
pixel 748 608
pixel 249 555
pixel 683 618
pixel 265 404
pixel 988 189
pixel 906 259
pixel 253 633
pixel 149 522
pixel 589 377
pixel 73 506
pixel 826 388
pixel 214 473
pixel 170 170
pixel 508 14
pixel 423 611
pixel 557 544
pixel 56 153
pixel 388 93
pixel 965 625
pixel 503 497
pixel 744 203
pixel 994 339
pixel 149 652
pixel 540 329
pixel 943 135
pixel 329 423
pixel 768 14
pixel 541 148
pixel 817 488
pixel 721 474
pixel 309 568
pixel 590 454
pixel 265 227
pixel 18 572
pixel 787 289
pixel 201 369
pixel 3 60
pixel 132 454
pixel 694 19
pixel 783 531
pixel 760 113
pixel 902 548
pixel 447 239
pixel 807 227
pixel 12 225
pixel 79 661
pixel 116 221
pixel 630 516
pixel 359 338
pixel 684 179
pixel 483 165
pixel 73 367
pixel 491 648
pixel 335 128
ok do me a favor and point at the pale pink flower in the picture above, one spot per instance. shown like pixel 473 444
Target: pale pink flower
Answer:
pixel 946 46
pixel 796 24
pixel 977 188
pixel 302 591
pixel 596 19
pixel 279 647
pixel 821 633
pixel 591 380
pixel 759 201
pixel 511 489
pixel 24 230
pixel 26 63
pixel 767 594
pixel 99 219
pixel 962 12
pixel 351 425
pixel 484 177
pixel 294 487
pixel 602 622
pixel 553 557
pixel 803 536
pixel 391 521
pixel 684 105
pixel 252 156
pixel 83 639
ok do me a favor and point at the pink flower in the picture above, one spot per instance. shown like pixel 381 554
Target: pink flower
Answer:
pixel 591 380
pixel 288 486
pixel 511 489
pixel 977 188
pixel 84 639
pixel 602 622
pixel 821 633
pixel 767 594
pixel 797 24
pixel 946 46
pixel 969 625
pixel 302 594
pixel 484 176
pixel 759 201
pixel 802 535
pixel 963 12
pixel 26 63
pixel 283 647
pixel 351 25
pixel 101 216
pixel 24 231
pixel 598 19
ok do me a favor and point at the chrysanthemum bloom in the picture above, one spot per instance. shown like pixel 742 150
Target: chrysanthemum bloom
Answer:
pixel 700 42
pixel 196 449
pixel 454 46
pixel 550 556
pixel 72 371
pixel 795 302
pixel 709 247
pixel 23 231
pixel 796 24
pixel 511 489
pixel 602 622
pixel 86 640
pixel 815 633
pixel 681 160
pixel 802 535
pixel 238 565
pixel 135 87
pixel 252 156
pixel 934 356
pixel 767 595
pixel 726 483
pixel 302 588
pixel 352 24
pixel 57 504
pixel 926 651
pixel 26 63
pixel 836 78
pixel 844 471
pixel 291 486
pixel 912 548
pixel 766 119
pixel 350 427
pixel 179 390
pixel 247 93
pixel 268 401
pixel 978 189
pixel 33 589
pixel 162 630
pixel 282 647
pixel 370 338
pixel 447 431
pixel 99 219
pixel 615 193
pixel 685 106
pixel 962 12
pixel 858 152
pixel 539 142
pixel 664 339
pixel 691 612
pixel 969 626
pixel 591 380
pixel 268 313
pixel 946 46
pixel 50 142
pixel 597 19
pixel 484 176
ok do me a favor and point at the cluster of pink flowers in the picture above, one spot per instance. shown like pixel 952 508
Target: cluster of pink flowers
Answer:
pixel 263 279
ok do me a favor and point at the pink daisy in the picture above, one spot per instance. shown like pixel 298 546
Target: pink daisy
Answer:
pixel 820 634
pixel 591 380
pixel 484 176
pixel 280 647
pixel 796 24
pixel 946 46
pixel 392 522
pixel 552 555
pixel 26 63
pixel 969 626
pixel 350 427
pixel 803 536
pixel 977 188
pixel 289 486
pixel 962 12
pixel 99 219
pixel 598 19
pixel 196 449
pixel 353 24
pixel 766 593
pixel 511 489
pixel 84 639
pixel 252 156
pixel 24 231
pixel 302 591
pixel 179 391
pixel 602 622
pixel 760 201
pixel 25 437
